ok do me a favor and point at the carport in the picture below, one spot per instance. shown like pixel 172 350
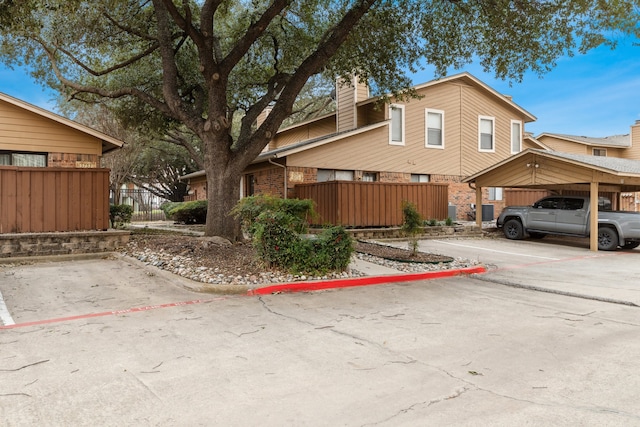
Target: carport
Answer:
pixel 562 172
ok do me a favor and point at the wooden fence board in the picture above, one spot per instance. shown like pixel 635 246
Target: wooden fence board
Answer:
pixel 373 204
pixel 36 200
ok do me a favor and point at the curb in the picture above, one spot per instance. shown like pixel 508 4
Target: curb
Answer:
pixel 361 281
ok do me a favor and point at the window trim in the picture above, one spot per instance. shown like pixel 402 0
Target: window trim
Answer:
pixel 418 176
pixel 496 194
pixel 27 153
pixel 493 134
pixel 402 123
pixel 426 128
pixel 519 122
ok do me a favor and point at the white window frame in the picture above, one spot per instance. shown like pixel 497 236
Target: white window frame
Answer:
pixel 420 177
pixel 493 134
pixel 335 175
pixel 593 152
pixel 519 140
pixel 402 122
pixel 496 193
pixel 426 128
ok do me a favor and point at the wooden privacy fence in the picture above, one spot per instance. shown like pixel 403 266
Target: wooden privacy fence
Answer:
pixel 36 200
pixel 523 196
pixel 373 204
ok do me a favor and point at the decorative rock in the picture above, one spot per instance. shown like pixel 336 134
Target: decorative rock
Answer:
pixel 187 267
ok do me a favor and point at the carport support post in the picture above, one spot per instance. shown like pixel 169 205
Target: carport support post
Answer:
pixel 479 206
pixel 593 208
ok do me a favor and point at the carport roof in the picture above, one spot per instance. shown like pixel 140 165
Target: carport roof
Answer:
pixel 549 169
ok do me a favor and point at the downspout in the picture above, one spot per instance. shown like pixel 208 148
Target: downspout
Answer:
pixel 285 173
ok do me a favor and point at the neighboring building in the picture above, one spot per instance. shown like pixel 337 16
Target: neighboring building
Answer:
pixel 458 126
pixel 50 172
pixel 625 146
pixel 622 146
pixel 31 136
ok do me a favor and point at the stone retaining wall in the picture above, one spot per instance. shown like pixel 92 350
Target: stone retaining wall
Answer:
pixel 429 232
pixel 45 244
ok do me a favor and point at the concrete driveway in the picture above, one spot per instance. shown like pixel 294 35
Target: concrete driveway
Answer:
pixel 554 264
pixel 107 342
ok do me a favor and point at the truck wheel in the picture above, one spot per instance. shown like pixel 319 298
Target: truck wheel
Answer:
pixel 513 229
pixel 607 239
pixel 631 245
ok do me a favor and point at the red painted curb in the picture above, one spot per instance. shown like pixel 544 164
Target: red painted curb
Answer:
pixel 362 281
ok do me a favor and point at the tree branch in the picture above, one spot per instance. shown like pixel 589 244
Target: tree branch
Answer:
pixel 119 66
pixel 254 31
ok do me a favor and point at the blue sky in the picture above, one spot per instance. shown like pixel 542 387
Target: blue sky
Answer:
pixel 597 94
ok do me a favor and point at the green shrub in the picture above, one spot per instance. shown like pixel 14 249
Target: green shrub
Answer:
pixel 249 208
pixel 279 245
pixel 167 207
pixel 431 222
pixel 411 225
pixel 194 212
pixel 119 215
pixel 448 222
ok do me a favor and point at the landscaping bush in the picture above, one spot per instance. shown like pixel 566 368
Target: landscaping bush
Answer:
pixel 167 207
pixel 411 225
pixel 249 208
pixel 276 225
pixel 194 212
pixel 119 215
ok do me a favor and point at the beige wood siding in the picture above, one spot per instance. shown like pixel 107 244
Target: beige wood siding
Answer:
pixel 634 151
pixel 22 130
pixel 523 172
pixel 461 103
pixel 563 146
pixel 346 108
pixel 325 126
pixel 475 103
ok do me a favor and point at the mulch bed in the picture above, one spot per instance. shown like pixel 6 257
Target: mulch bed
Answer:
pixel 399 254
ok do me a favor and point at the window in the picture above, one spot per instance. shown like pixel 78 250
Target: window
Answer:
pixel 495 193
pixel 396 129
pixel 37 160
pixel 325 175
pixel 250 185
pixel 486 134
pixel 548 203
pixel 573 204
pixel 419 177
pixel 369 176
pixel 434 132
pixel 516 137
pixel 600 152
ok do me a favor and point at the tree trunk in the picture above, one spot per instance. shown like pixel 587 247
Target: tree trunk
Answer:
pixel 223 193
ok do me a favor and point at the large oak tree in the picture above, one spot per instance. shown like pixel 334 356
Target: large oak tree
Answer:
pixel 211 66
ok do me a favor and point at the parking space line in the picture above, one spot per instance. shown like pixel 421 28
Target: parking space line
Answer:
pixel 493 250
pixel 5 316
pixel 109 313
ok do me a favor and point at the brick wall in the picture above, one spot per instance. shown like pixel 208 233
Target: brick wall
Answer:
pixel 463 196
pixel 69 160
pixel 197 188
pixel 269 181
pixel 395 177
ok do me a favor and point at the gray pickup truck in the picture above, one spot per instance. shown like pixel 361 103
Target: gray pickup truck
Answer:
pixel 569 215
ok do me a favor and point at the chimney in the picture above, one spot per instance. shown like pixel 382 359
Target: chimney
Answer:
pixel 347 95
pixel 263 116
pixel 635 134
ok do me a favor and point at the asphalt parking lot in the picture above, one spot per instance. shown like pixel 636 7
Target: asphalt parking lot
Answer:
pixel 108 342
